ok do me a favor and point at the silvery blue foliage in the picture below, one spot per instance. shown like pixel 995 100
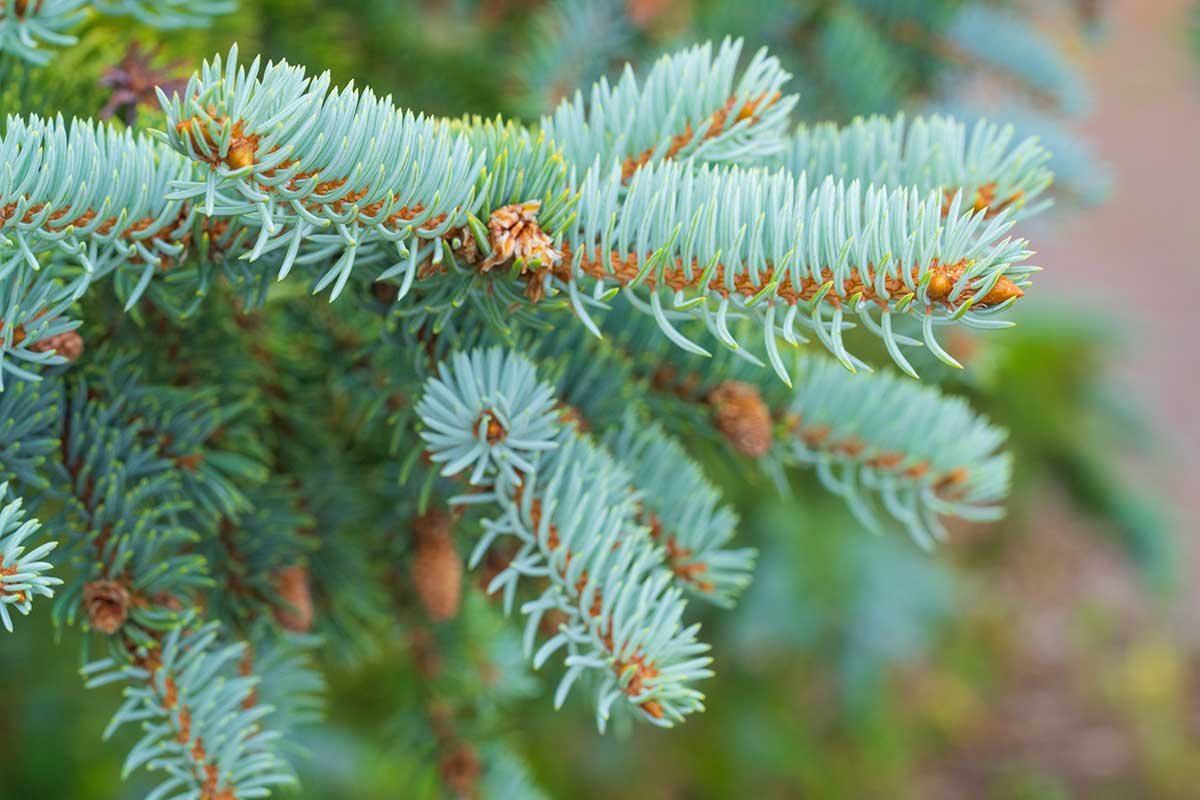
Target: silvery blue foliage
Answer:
pixel 22 571
pixel 199 723
pixel 686 511
pixel 573 512
pixel 721 113
pixel 487 414
pixel 288 150
pixel 92 197
pixel 29 416
pixel 25 34
pixel 897 449
pixel 731 242
pixel 930 153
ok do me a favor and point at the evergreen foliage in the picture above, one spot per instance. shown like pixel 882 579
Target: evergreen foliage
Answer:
pixel 535 326
pixel 21 573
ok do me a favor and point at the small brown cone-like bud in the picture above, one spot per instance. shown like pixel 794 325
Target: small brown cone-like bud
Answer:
pixel 940 285
pixel 69 345
pixel 436 567
pixel 461 770
pixel 742 416
pixel 1003 290
pixel 240 155
pixel 513 233
pixel 18 335
pixel 107 604
pixel 293 587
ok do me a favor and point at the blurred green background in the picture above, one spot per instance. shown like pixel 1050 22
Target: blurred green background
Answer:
pixel 1053 655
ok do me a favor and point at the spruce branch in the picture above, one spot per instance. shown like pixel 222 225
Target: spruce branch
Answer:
pixel 890 446
pixel 126 540
pixel 28 25
pixel 22 571
pixel 285 154
pixel 35 324
pixel 90 196
pixel 683 511
pixel 855 430
pixel 682 192
pixel 929 153
pixel 29 420
pixel 147 487
pixel 280 155
pixel 600 390
pixel 691 105
pixel 766 245
pixel 1081 175
pixel 202 723
pixel 572 512
pixel 284 147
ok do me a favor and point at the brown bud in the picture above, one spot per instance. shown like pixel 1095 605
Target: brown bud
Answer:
pixel 742 416
pixel 953 480
pixel 240 155
pixel 18 335
pixel 461 770
pixel 107 604
pixel 69 345
pixel 490 428
pixel 940 286
pixel 1003 290
pixel 535 288
pixel 436 568
pixel 513 233
pixel 293 587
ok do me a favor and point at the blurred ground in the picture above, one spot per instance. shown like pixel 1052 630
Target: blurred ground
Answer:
pixel 1137 252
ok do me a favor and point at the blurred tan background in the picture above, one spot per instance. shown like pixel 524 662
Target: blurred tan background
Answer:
pixel 1140 249
pixel 1138 252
